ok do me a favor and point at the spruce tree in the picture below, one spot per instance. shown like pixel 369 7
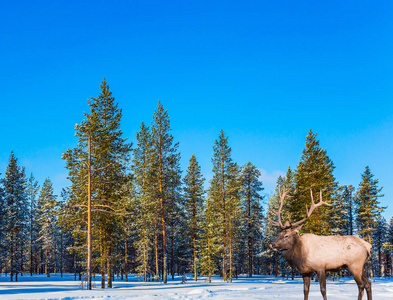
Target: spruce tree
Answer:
pixel 48 207
pixel 3 252
pixel 345 220
pixel 339 212
pixel 315 173
pixel 379 238
pixel 251 188
pixel 194 199
pixel 16 214
pixel 388 247
pixel 32 191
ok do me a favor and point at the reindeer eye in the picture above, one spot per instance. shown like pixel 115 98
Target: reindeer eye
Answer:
pixel 285 236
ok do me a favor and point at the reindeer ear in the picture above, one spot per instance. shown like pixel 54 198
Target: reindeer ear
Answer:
pixel 297 229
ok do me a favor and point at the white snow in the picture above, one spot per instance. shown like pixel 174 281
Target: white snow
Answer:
pixel 258 287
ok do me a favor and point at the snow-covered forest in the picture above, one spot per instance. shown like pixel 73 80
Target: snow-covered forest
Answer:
pixel 131 212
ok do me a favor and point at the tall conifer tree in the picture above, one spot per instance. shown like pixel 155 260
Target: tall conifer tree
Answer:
pixel 98 172
pixel 367 205
pixel 219 193
pixel 251 187
pixel 209 243
pixel 32 192
pixel 193 193
pixel 315 172
pixel 3 252
pixel 166 162
pixel 235 221
pixel 48 207
pixel 146 203
pixel 16 215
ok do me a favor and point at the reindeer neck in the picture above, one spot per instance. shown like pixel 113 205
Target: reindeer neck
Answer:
pixel 295 255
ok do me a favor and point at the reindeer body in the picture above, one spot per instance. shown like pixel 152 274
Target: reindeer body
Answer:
pixel 311 253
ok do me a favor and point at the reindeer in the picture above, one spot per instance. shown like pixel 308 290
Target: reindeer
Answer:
pixel 311 253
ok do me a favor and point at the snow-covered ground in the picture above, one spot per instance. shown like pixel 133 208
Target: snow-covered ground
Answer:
pixel 258 287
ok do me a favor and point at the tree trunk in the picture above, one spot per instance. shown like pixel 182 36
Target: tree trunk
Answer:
pixel 194 238
pixel 89 217
pixel 125 258
pixel 109 269
pixel 156 248
pixel 164 254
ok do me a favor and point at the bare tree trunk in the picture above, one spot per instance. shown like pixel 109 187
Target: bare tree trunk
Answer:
pixel 144 252
pixel 126 257
pixel 156 248
pixel 11 262
pixel 103 259
pixel 230 249
pixel 89 217
pixel 164 254
pixel 194 238
pixel 109 268
pixel 61 254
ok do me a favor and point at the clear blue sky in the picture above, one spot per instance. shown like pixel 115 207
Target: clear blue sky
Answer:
pixel 264 71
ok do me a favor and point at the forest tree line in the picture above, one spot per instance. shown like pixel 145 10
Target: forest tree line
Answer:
pixel 131 209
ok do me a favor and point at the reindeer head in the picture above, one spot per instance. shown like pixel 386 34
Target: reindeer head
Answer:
pixel 289 231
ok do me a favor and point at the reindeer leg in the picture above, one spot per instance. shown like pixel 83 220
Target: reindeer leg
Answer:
pixel 306 285
pixel 359 281
pixel 322 283
pixel 367 285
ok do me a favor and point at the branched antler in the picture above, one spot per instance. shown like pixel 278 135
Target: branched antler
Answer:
pixel 278 213
pixel 308 211
pixel 312 207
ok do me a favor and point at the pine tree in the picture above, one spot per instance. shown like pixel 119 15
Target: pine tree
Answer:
pixel 339 212
pixel 175 219
pixel 166 162
pixel 146 203
pixel 379 238
pixel 32 191
pixel 48 206
pixel 314 172
pixel 251 188
pixel 235 221
pixel 343 211
pixel 388 247
pixel 98 172
pixel 15 215
pixel 194 199
pixel 219 193
pixel 284 183
pixel 208 248
pixel 367 207
pixel 3 252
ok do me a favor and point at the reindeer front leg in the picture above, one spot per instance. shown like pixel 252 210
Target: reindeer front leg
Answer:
pixel 322 283
pixel 306 285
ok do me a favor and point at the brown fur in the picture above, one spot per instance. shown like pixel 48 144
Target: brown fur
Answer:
pixel 317 254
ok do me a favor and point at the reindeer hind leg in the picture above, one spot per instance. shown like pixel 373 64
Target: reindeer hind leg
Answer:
pixel 358 276
pixel 367 285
